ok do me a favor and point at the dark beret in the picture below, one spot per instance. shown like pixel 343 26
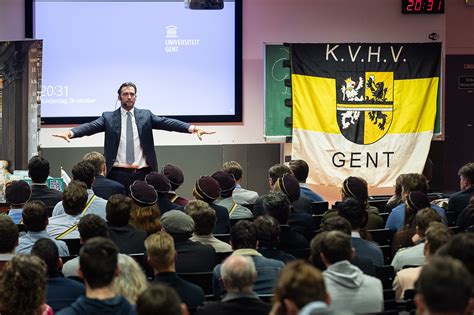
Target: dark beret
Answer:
pixel 226 183
pixel 207 189
pixel 17 192
pixel 159 181
pixel 143 194
pixel 289 185
pixel 174 174
pixel 417 200
pixel 356 188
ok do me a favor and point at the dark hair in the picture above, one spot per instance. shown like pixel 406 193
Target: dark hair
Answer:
pixel 75 197
pixel 234 168
pixel 126 84
pixel 467 171
pixel 336 223
pixel 445 285
pixel 243 235
pixel 8 234
pixel 461 247
pixel 84 172
pixel 96 159
pixel 47 250
pixel 414 181
pixel 203 215
pixel 277 205
pixel 336 246
pixel 38 169
pixel 268 230
pixel 91 225
pixel 118 210
pixel 315 246
pixel 278 170
pixel 436 236
pixel 424 217
pixel 98 261
pixel 354 211
pixel 300 169
pixel 158 299
pixel 35 216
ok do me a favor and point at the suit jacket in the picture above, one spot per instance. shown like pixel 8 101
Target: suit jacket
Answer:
pixel 460 200
pixel 110 123
pixel 49 196
pixel 236 304
pixel 104 187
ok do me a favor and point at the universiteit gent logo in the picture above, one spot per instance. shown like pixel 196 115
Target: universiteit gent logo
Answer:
pixel 364 106
pixel 173 43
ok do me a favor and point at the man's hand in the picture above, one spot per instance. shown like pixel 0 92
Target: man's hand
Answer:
pixel 65 135
pixel 199 132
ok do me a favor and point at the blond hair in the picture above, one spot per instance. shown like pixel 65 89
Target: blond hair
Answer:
pixel 145 218
pixel 160 250
pixel 131 281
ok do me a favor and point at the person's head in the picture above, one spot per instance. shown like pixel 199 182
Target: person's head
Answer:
pixel 424 218
pixel 238 274
pixel 160 299
pixel 75 197
pixel 277 205
pixel 243 235
pixel 47 250
pixel 174 174
pixel 336 223
pixel 23 285
pixel 234 168
pixel 268 230
pixel 288 184
pixel 160 182
pixel 35 216
pixel 17 193
pixel 444 287
pixel 131 281
pixel 466 176
pixel 98 262
pixel 160 251
pixel 91 225
pixel 275 172
pixel 354 211
pixel 315 250
pixel 413 182
pixel 336 246
pixel 145 214
pixel 97 160
pixel 206 189
pixel 226 183
pixel 8 235
pixel 461 247
pixel 300 169
pixel 203 215
pixel 355 187
pixel 298 285
pixel 398 185
pixel 178 224
pixel 436 236
pixel 414 201
pixel 84 172
pixel 143 194
pixel 118 210
pixel 38 169
pixel 127 95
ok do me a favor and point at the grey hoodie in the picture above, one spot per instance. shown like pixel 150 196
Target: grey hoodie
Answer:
pixel 351 290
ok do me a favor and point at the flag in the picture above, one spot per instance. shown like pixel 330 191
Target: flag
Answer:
pixel 364 110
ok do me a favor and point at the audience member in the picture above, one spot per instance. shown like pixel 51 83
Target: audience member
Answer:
pixel 240 195
pixel 466 216
pixel 160 299
pixel 162 258
pixel 89 226
pixel 300 290
pixel 145 214
pixel 396 199
pixel 315 250
pixel 461 247
pixel 98 267
pixel 460 200
pixel 38 171
pixel 8 240
pixel 227 186
pixel 414 256
pixel 243 238
pixel 238 276
pixel 131 280
pixel 436 235
pixel 176 178
pixel 193 256
pixel 17 194
pixel 23 286
pixel 60 291
pixel 85 173
pixel 128 239
pixel 268 239
pixel 444 287
pixel 349 288
pixel 64 226
pixel 162 186
pixel 204 218
pixel 102 186
pixel 300 169
pixel 35 220
pixel 411 182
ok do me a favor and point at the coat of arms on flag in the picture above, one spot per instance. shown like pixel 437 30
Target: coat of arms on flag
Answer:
pixel 364 110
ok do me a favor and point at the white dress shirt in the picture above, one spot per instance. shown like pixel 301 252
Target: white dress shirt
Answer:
pixel 139 160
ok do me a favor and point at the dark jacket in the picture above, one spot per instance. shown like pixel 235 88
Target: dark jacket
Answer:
pixel 128 239
pixel 115 306
pixel 194 256
pixel 49 196
pixel 62 292
pixel 248 304
pixel 104 187
pixel 190 294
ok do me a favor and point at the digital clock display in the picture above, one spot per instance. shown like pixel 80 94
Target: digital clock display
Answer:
pixel 423 6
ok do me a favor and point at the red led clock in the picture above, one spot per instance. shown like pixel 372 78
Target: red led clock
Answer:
pixel 423 6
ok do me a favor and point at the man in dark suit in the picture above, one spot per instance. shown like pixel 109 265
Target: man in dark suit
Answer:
pixel 128 146
pixel 102 186
pixel 460 200
pixel 38 170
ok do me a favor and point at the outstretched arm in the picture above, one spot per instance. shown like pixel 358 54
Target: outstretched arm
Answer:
pixel 199 131
pixel 67 135
pixel 86 129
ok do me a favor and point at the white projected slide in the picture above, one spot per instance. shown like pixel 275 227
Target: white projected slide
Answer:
pixel 183 61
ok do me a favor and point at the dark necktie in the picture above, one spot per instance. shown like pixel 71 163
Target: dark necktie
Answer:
pixel 129 148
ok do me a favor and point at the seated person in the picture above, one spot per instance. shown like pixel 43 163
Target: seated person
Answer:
pixel 160 299
pixel 460 200
pixel 227 186
pixel 145 214
pixel 240 195
pixel 162 187
pixel 8 240
pixel 300 169
pixel 176 178
pixel 268 237
pixel 17 194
